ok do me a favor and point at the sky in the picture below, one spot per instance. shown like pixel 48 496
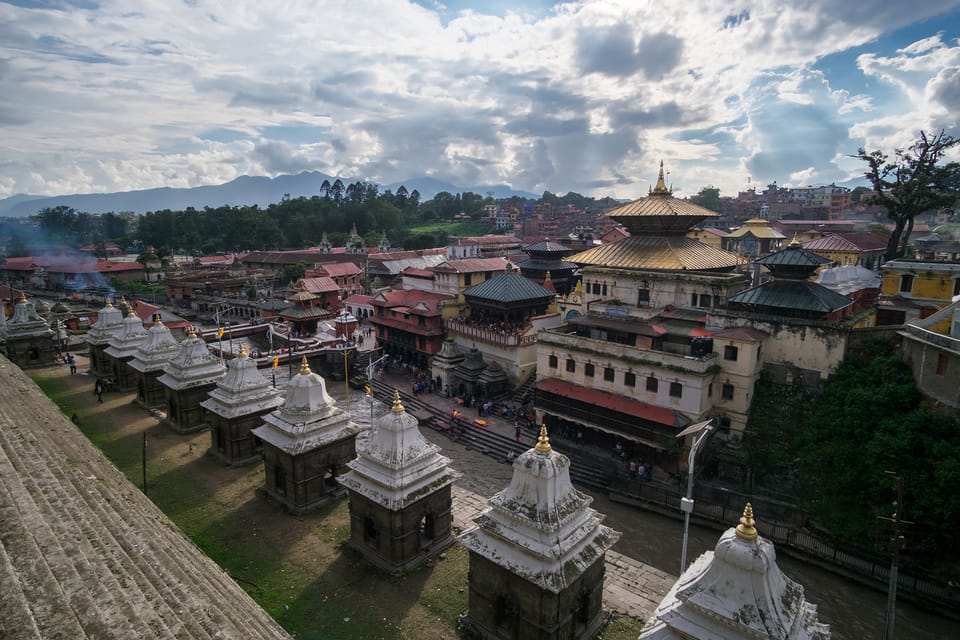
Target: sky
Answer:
pixel 586 96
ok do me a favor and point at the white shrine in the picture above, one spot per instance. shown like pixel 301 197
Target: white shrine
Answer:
pixel 121 348
pixel 109 324
pixel 399 487
pixel 537 555
pixel 235 406
pixel 187 378
pixel 305 443
pixel 148 362
pixel 736 592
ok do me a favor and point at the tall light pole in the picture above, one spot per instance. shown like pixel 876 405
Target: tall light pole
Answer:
pixel 701 430
pixel 896 542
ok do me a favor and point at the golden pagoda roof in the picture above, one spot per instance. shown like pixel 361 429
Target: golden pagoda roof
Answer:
pixel 758 228
pixel 660 212
pixel 662 253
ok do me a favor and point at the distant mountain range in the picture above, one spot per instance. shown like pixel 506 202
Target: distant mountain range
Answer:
pixel 245 190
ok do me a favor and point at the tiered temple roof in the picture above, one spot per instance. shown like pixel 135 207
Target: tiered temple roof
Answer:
pixel 126 343
pixel 156 350
pixel 193 365
pixel 242 391
pixel 109 323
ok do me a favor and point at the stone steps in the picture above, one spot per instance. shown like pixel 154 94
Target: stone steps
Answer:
pixel 86 555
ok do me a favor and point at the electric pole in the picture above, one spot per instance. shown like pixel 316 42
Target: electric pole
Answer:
pixel 896 544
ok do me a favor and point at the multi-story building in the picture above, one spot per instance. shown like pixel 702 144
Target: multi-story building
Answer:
pixel 409 324
pixel 916 289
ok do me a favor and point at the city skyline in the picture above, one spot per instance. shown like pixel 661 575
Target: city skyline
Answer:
pixel 576 96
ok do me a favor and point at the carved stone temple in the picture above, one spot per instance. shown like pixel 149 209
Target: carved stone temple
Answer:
pixel 29 340
pixel 148 362
pixel 109 324
pixel 736 592
pixel 305 443
pixel 399 488
pixel 537 555
pixel 188 378
pixel 122 347
pixel 235 407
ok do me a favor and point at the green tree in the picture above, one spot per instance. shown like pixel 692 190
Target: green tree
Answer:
pixel 708 198
pixel 910 183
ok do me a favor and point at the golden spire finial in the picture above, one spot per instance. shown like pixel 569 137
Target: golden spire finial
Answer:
pixel 397 405
pixel 22 297
pixel 746 530
pixel 108 303
pixel 579 287
pixel 304 367
pixel 796 241
pixel 191 331
pixel 547 277
pixel 661 188
pixel 543 442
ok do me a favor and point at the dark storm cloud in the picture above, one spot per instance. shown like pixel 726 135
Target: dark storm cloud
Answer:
pixel 658 54
pixel 278 157
pixel 667 114
pixel 610 50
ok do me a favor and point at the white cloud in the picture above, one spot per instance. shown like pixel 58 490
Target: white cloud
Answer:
pixel 586 97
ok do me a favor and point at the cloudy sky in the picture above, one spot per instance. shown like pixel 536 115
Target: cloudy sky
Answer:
pixel 583 96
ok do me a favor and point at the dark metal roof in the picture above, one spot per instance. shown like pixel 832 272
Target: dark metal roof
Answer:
pixel 536 264
pixel 795 295
pixel 546 247
pixel 794 256
pixel 661 253
pixel 509 286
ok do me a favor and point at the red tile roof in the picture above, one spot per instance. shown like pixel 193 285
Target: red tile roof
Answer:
pixel 319 285
pixel 608 400
pixel 472 265
pixel 336 269
pixel 70 264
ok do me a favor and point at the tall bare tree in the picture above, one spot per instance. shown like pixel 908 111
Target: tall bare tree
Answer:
pixel 911 183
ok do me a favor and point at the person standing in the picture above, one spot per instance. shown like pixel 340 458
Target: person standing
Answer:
pixel 98 390
pixel 516 431
pixel 73 364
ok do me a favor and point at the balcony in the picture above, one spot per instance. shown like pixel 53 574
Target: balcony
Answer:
pixel 489 336
pixel 631 354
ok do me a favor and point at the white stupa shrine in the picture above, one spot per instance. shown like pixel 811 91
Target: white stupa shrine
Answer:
pixel 122 347
pixel 399 486
pixel 305 443
pixel 28 339
pixel 109 324
pixel 736 592
pixel 537 555
pixel 148 363
pixel 187 378
pixel 235 407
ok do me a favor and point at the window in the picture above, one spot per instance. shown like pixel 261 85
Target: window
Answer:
pixel 906 284
pixel 942 364
pixel 552 362
pixel 588 370
pixel 676 390
pixel 596 288
pixel 643 297
pixel 710 390
pixel 608 374
pixel 727 392
pixel 652 384
pixel 571 365
pixel 724 424
pixel 956 287
pixel 629 379
pixel 370 532
pixel 280 480
pixel 730 352
pixel 467 279
pixel 604 288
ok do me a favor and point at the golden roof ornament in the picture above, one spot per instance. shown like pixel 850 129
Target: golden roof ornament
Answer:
pixel 661 188
pixel 795 242
pixel 22 297
pixel 191 331
pixel 108 303
pixel 543 442
pixel 745 530
pixel 304 367
pixel 397 405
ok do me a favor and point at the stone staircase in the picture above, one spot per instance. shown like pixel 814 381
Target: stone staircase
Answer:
pixel 583 469
pixel 525 389
pixel 84 554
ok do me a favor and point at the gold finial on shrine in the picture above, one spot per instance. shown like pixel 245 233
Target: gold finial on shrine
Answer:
pixel 746 530
pixel 191 331
pixel 304 367
pixel 397 405
pixel 22 297
pixel 543 442
pixel 661 188
pixel 795 242
pixel 108 303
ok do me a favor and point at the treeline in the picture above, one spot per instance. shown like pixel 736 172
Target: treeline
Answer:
pixel 834 450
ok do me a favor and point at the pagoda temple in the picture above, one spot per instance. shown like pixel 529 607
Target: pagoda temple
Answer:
pixel 305 443
pixel 30 342
pixel 148 362
pixel 399 487
pixel 235 407
pixel 187 378
pixel 736 592
pixel 537 555
pixel 122 347
pixel 547 263
pixel 109 324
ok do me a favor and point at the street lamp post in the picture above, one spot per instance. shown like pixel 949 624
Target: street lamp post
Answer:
pixel 702 430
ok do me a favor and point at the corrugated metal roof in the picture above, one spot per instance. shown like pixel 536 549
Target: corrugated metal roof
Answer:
pixel 546 246
pixel 663 253
pixel 798 295
pixel 661 205
pixel 793 256
pixel 831 243
pixel 509 286
pixel 472 265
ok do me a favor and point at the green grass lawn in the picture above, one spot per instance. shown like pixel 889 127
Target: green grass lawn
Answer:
pixel 470 228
